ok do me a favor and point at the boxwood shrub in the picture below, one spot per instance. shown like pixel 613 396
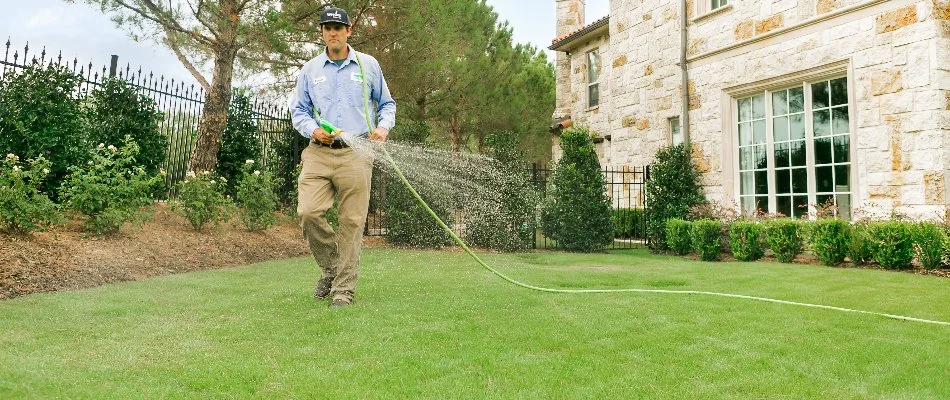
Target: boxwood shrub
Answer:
pixel 745 238
pixel 785 237
pixel 705 235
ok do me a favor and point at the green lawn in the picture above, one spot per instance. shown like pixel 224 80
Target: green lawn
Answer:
pixel 434 325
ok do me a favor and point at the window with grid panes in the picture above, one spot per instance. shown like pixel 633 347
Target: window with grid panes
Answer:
pixel 775 172
pixel 593 77
pixel 715 4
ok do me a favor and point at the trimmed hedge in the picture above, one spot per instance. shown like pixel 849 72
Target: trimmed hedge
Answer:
pixel 745 238
pixel 828 239
pixel 672 190
pixel 705 235
pixel 892 244
pixel 629 223
pixel 859 244
pixel 785 237
pixel 929 242
pixel 678 236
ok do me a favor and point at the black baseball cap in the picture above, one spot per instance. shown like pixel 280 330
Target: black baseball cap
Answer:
pixel 334 15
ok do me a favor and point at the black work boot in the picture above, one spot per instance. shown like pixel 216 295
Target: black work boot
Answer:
pixel 322 290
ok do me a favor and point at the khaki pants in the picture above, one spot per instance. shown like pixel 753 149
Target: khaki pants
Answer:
pixel 327 172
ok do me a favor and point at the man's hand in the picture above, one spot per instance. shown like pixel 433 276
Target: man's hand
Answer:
pixel 379 134
pixel 320 135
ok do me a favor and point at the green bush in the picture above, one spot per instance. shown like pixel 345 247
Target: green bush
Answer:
pixel 678 236
pixel 508 223
pixel 705 235
pixel 892 244
pixel 828 239
pixel 929 240
pixel 629 223
pixel 240 141
pixel 672 189
pixel 407 223
pixel 111 189
pixel 23 208
pixel 576 212
pixel 859 244
pixel 201 199
pixel 746 240
pixel 41 115
pixel 116 110
pixel 257 197
pixel 785 237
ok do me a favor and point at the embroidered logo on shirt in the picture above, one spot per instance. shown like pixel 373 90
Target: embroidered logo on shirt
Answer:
pixel 319 79
pixel 357 77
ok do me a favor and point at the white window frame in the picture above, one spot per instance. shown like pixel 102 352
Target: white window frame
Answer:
pixel 595 82
pixel 675 129
pixel 805 82
pixel 706 8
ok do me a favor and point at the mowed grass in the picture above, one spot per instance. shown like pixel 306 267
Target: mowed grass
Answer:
pixel 435 325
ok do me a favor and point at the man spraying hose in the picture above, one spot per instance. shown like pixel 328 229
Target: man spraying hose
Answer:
pixel 334 91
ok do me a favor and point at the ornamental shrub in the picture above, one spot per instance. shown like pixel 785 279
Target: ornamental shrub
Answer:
pixel 672 189
pixel 201 199
pixel 678 236
pixel 116 110
pixel 240 141
pixel 929 239
pixel 746 240
pixel 257 197
pixel 41 115
pixel 892 244
pixel 111 189
pixel 576 212
pixel 705 235
pixel 785 237
pixel 629 223
pixel 859 243
pixel 23 208
pixel 828 239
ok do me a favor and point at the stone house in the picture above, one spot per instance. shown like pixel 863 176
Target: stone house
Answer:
pixel 789 103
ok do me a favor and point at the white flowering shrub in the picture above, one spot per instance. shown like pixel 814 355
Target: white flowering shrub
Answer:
pixel 23 207
pixel 201 199
pixel 111 189
pixel 257 197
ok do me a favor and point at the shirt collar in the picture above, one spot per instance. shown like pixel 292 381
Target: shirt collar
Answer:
pixel 323 58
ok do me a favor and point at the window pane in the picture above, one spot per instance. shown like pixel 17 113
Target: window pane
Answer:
pixel 593 95
pixel 823 151
pixel 758 107
pixel 780 103
pixel 799 180
pixel 839 91
pixel 822 123
pixel 745 109
pixel 819 95
pixel 842 148
pixel 799 205
pixel 781 155
pixel 745 134
pixel 780 129
pixel 783 181
pixel 825 200
pixel 797 126
pixel 840 120
pixel 748 205
pixel 761 160
pixel 762 182
pixel 747 185
pixel 842 179
pixel 746 160
pixel 824 179
pixel 796 100
pixel 593 66
pixel 762 203
pixel 759 131
pixel 844 205
pixel 783 205
pixel 798 153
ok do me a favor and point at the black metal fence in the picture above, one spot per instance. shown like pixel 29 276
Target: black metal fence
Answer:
pixel 180 102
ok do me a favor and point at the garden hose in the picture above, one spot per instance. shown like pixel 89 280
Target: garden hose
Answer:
pixel 478 259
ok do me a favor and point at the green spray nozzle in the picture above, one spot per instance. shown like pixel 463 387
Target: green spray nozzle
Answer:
pixel 327 126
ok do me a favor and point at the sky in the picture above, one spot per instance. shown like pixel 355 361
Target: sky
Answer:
pixel 82 31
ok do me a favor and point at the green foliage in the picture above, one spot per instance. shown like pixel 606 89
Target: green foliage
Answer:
pixel 111 189
pixel 283 160
pixel 705 235
pixel 240 141
pixel 828 239
pixel 508 223
pixel 929 239
pixel 746 240
pixel 678 236
pixel 785 237
pixel 116 110
pixel 576 212
pixel 201 200
pixel 40 115
pixel 257 197
pixel 407 222
pixel 672 190
pixel 23 208
pixel 859 243
pixel 629 223
pixel 892 244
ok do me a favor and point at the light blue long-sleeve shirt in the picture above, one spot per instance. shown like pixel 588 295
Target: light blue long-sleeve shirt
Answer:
pixel 335 93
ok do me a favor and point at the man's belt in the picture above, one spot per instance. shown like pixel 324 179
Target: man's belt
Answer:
pixel 337 144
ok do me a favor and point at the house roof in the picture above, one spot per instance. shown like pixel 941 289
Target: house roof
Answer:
pixel 563 42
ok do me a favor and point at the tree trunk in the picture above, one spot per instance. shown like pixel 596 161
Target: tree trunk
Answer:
pixel 456 134
pixel 214 118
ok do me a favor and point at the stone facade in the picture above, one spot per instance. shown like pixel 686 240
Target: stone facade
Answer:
pixel 895 55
